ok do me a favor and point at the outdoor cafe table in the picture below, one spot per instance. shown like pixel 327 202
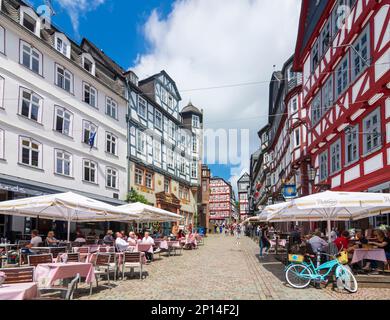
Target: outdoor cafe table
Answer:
pixel 369 254
pixel 19 291
pixel 47 273
pixel 119 257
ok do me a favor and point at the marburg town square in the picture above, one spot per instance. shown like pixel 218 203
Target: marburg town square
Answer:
pixel 108 190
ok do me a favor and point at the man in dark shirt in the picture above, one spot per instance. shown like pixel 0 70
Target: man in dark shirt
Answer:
pixel 295 236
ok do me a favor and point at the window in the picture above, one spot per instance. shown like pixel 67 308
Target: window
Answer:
pixel 290 74
pixel 2 40
pixel 372 132
pixel 141 141
pixel 62 47
pixel 158 120
pixel 167 185
pixel 194 169
pixel 30 57
pixel 63 121
pixel 194 144
pixel 30 152
pixel 170 101
pixel 29 22
pixel 316 109
pixel 325 38
pixel 64 79
pixel 1 144
pixel 164 95
pixel 149 180
pixel 89 171
pixel 111 178
pixel 2 84
pixel 182 166
pixel 88 64
pixel 111 108
pixel 327 95
pixel 335 157
pixel 361 53
pixel 294 105
pixel 315 56
pixel 89 131
pixel 170 159
pixel 142 109
pixel 63 163
pixel 297 138
pixel 90 95
pixel 324 166
pixel 139 176
pixel 352 144
pixel 342 76
pixel 157 150
pixel 31 105
pixel 111 143
pixel 195 121
pixel 171 131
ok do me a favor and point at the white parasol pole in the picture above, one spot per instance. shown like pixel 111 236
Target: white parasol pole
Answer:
pixel 329 230
pixel 69 218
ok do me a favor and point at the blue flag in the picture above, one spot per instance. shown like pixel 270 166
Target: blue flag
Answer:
pixel 92 140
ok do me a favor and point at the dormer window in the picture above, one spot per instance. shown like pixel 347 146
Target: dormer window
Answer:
pixel 62 44
pixel 88 63
pixel 30 20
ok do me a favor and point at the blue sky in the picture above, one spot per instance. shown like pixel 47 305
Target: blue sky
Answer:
pixel 229 47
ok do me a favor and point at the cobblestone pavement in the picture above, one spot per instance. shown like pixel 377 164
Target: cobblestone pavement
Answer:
pixel 219 270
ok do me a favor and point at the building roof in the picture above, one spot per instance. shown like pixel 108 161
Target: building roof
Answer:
pixel 244 178
pixel 190 108
pixel 165 74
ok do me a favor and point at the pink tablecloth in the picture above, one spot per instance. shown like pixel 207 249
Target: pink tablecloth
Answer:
pixel 119 257
pixel 46 274
pixel 369 254
pixel 282 243
pixel 19 291
pixel 144 248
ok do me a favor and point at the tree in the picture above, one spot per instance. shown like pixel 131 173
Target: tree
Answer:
pixel 134 196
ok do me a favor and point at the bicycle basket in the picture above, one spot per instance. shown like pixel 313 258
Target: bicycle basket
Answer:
pixel 295 258
pixel 343 257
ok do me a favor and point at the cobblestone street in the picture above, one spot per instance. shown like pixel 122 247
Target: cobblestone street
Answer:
pixel 219 270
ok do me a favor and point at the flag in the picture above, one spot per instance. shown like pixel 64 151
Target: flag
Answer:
pixel 92 140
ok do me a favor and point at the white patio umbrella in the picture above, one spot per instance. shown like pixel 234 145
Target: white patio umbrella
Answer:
pixel 70 207
pixel 147 213
pixel 331 206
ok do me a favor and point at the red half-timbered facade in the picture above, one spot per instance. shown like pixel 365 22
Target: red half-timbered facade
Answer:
pixel 220 200
pixel 343 52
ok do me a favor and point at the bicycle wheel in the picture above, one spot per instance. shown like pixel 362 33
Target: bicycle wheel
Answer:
pixel 348 280
pixel 298 276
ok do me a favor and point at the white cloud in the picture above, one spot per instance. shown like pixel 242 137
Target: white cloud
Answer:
pixel 205 43
pixel 78 8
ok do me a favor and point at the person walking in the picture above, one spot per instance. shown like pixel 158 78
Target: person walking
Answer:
pixel 264 241
pixel 238 234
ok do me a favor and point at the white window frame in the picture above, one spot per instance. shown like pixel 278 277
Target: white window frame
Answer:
pixel 182 165
pixel 111 178
pixel 372 133
pixel 111 105
pixel 92 128
pixel 158 124
pixel 31 150
pixel 27 11
pixel 65 157
pixel 316 113
pixel 315 51
pixel 34 101
pixel 297 137
pixel 195 121
pixel 139 173
pixel 28 55
pixel 2 144
pixel 87 88
pixel 2 39
pixel 111 143
pixel 2 92
pixel 142 105
pixel 194 144
pixel 141 142
pixel 67 118
pixel 358 66
pixel 87 57
pixel 149 182
pixel 294 102
pixel 93 167
pixel 342 72
pixel 157 151
pixel 324 165
pixel 327 29
pixel 66 76
pixel 170 158
pixel 335 157
pixel 327 95
pixel 64 47
pixel 194 169
pixel 352 144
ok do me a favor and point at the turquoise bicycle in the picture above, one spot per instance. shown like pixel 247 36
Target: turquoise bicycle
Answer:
pixel 300 275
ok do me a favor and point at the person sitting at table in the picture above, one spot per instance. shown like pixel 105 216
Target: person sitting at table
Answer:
pixel 132 239
pixel 124 237
pixel 342 242
pixel 317 243
pixel 147 239
pixel 51 241
pixel 381 242
pixel 35 242
pixel 80 237
pixel 108 238
pixel 120 243
pixel 180 235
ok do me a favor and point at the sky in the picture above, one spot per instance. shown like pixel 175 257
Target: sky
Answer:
pixel 221 54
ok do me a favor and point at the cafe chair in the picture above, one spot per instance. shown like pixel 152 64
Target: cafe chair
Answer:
pixel 34 260
pixel 102 266
pixel 19 275
pixel 71 257
pixel 65 293
pixel 132 260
